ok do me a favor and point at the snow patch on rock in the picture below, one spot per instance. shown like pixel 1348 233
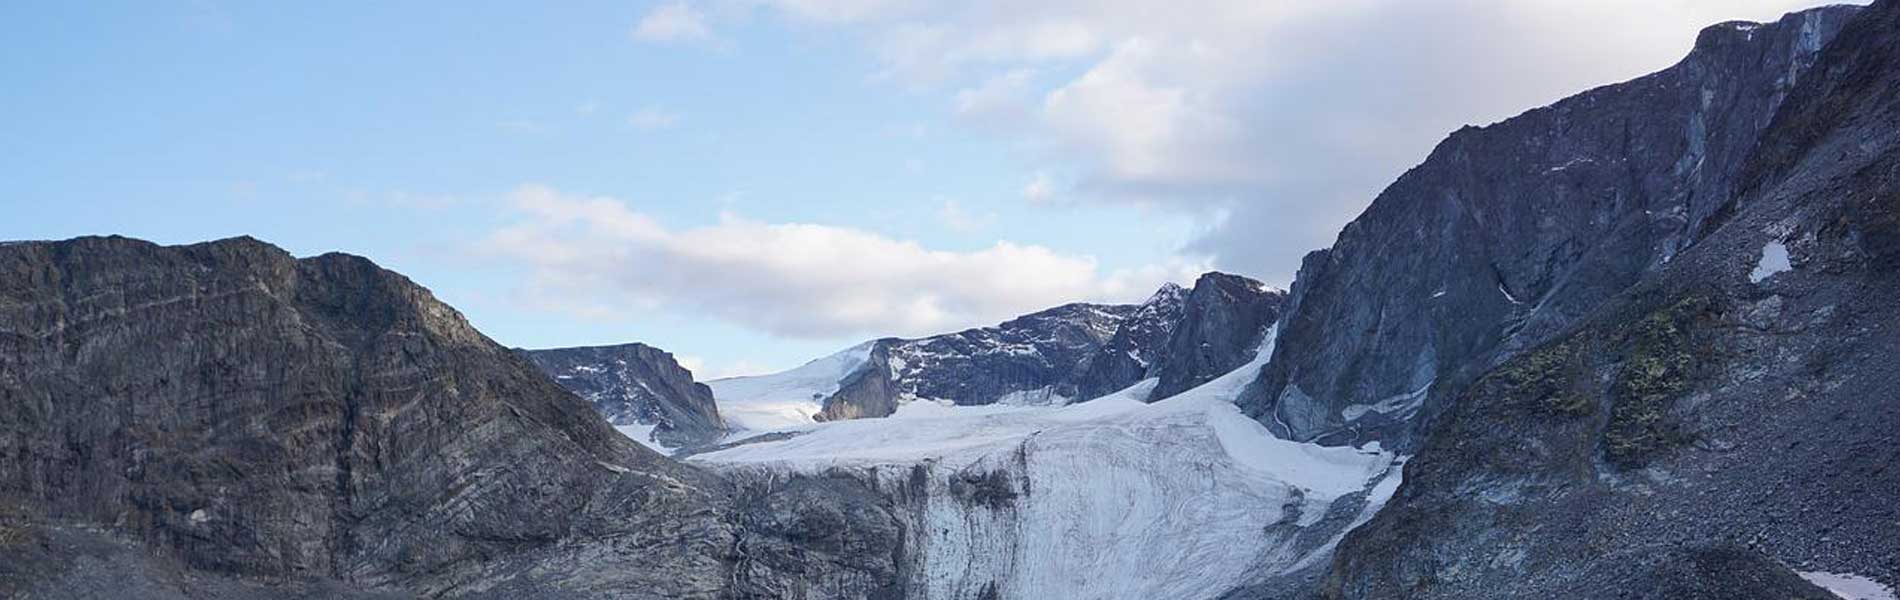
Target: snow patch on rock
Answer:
pixel 643 433
pixel 1849 586
pixel 1774 259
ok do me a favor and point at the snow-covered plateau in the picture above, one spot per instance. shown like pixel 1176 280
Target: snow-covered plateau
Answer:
pixel 787 399
pixel 1110 498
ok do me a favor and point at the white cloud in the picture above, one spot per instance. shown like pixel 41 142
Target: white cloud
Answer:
pixel 1286 116
pixel 1039 189
pixel 958 219
pixel 1140 128
pixel 704 371
pixel 596 257
pixel 653 117
pixel 842 11
pixel 676 22
pixel 1004 100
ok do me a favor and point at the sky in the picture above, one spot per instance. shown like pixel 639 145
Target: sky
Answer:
pixel 754 183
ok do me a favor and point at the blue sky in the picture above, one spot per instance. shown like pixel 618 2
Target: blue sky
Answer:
pixel 752 183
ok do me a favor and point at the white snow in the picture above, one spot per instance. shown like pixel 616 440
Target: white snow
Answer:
pixel 1849 586
pixel 1573 162
pixel 643 433
pixel 1507 294
pixel 1183 498
pixel 1406 402
pixel 1042 396
pixel 787 398
pixel 1774 259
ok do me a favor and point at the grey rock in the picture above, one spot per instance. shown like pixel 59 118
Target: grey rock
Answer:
pixel 867 392
pixel 1185 338
pixel 1034 358
pixel 1221 327
pixel 229 414
pixel 1508 234
pixel 637 384
pixel 1074 352
pixel 1703 432
pixel 1139 343
pixel 1042 352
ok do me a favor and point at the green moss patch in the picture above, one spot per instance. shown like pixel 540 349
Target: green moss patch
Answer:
pixel 1663 362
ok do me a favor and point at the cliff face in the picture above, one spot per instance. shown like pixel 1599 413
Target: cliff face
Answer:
pixel 253 416
pixel 1070 353
pixel 637 384
pixel 1036 356
pixel 1507 234
pixel 1222 322
pixel 1724 421
pixel 1185 337
pixel 865 393
pixel 1138 344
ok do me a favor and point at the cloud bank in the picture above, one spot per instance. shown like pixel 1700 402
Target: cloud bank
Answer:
pixel 1278 121
pixel 596 256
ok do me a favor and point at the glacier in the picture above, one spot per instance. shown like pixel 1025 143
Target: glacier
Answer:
pixel 758 403
pixel 1110 498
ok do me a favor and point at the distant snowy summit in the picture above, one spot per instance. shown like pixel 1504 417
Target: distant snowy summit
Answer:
pixel 1181 337
pixel 1070 353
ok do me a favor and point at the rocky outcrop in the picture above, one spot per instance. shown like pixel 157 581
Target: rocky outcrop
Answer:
pixel 637 384
pixel 225 413
pixel 1725 420
pixel 1037 356
pixel 1508 234
pixel 1185 338
pixel 1221 326
pixel 1033 359
pixel 867 392
pixel 1070 353
pixel 1138 344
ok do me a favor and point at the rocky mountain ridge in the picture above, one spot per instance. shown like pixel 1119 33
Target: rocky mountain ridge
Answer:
pixel 1508 234
pixel 1069 353
pixel 1634 343
pixel 226 419
pixel 639 388
pixel 1630 336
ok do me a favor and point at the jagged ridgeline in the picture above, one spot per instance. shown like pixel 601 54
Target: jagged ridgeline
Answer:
pixel 640 389
pixel 1633 344
pixel 1663 371
pixel 1070 353
pixel 225 420
pixel 1507 236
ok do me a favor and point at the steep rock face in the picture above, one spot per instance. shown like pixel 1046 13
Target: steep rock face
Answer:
pixel 866 392
pixel 1037 356
pixel 1070 353
pixel 1033 359
pixel 637 384
pixel 1220 328
pixel 1139 342
pixel 322 423
pixel 1722 422
pixel 1508 234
